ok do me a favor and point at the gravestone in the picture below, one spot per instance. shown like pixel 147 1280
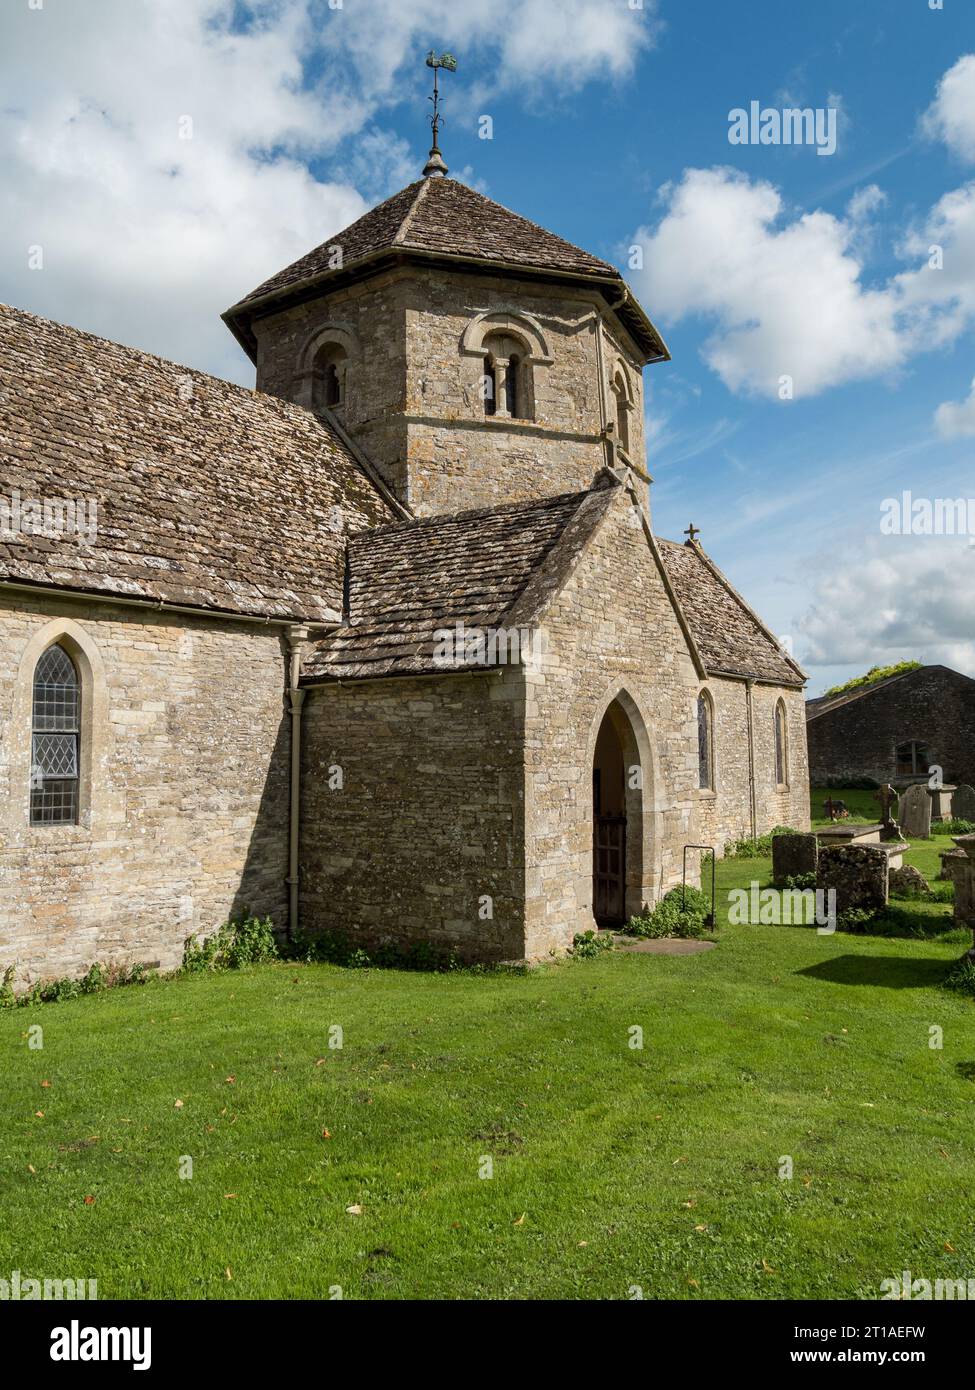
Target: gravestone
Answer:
pixel 914 812
pixel 792 855
pixel 858 873
pixel 963 802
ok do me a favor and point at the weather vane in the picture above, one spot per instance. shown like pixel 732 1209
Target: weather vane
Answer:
pixel 435 165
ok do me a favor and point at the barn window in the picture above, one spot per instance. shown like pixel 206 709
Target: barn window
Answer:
pixel 705 743
pixel 912 759
pixel 781 747
pixel 55 737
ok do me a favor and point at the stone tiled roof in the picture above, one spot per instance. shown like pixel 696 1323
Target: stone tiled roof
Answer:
pixel 729 636
pixel 208 495
pixel 490 568
pixel 446 217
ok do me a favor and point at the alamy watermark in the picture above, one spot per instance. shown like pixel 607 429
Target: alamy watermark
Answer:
pixel 20 1288
pixel 756 906
pixel 52 517
pixel 792 125
pixel 461 646
pixel 905 1286
pixel 908 515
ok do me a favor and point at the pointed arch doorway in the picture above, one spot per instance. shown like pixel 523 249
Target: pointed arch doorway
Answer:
pixel 617 819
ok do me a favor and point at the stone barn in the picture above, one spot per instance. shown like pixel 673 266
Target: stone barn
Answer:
pixel 895 730
pixel 388 644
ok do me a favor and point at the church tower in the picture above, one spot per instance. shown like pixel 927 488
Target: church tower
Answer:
pixel 474 357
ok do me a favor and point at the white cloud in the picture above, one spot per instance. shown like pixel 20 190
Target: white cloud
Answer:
pixel 786 295
pixel 938 304
pixel 146 237
pixel 955 419
pixel 906 597
pixel 951 116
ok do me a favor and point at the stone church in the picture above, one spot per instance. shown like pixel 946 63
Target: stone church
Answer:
pixel 388 644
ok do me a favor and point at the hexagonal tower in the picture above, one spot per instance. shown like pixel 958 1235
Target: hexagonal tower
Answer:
pixel 474 357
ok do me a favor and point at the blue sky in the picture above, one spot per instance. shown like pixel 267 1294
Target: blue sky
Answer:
pixel 769 260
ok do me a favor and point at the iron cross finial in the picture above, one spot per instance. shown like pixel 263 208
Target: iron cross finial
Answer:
pixel 692 532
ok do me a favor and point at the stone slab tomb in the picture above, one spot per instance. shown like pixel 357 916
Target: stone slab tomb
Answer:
pixel 858 873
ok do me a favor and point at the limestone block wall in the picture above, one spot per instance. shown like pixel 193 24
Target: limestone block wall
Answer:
pixel 611 633
pixel 184 786
pixel 369 318
pixel 415 396
pixel 725 813
pixel 413 812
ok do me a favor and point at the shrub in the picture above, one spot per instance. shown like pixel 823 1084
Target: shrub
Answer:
pixel 801 881
pixel 672 916
pixel 243 941
pixel 589 944
pixel 876 673
pixel 57 991
pixel 753 849
pixel 953 827
pixel 337 948
pixel 961 976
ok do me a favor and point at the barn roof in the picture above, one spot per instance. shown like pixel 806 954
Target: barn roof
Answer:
pixel 208 495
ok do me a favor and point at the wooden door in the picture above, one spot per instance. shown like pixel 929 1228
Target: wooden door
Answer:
pixel 609 871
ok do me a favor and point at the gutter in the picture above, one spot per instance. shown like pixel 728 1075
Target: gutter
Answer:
pixel 307 288
pixel 297 636
pixel 753 810
pixel 157 605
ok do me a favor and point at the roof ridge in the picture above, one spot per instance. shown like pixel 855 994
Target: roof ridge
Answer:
pixel 530 222
pixel 473 513
pixel 400 238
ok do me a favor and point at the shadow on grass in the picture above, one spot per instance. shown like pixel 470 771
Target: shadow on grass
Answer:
pixel 892 972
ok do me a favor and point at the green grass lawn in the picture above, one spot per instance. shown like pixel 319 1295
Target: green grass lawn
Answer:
pixel 613 1167
pixel 862 805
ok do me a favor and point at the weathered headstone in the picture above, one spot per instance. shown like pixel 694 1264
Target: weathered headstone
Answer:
pixel 793 854
pixel 963 802
pixel 914 812
pixel 858 873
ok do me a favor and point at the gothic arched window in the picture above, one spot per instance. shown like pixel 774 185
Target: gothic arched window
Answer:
pixel 55 739
pixel 622 399
pixel 705 742
pixel 781 746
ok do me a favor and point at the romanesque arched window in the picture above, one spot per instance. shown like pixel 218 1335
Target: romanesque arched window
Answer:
pixel 781 746
pixel 331 363
pixel 55 740
pixel 507 387
pixel 705 742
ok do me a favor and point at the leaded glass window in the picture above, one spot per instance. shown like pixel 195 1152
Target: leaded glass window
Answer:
pixel 781 751
pixel 705 759
pixel 54 740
